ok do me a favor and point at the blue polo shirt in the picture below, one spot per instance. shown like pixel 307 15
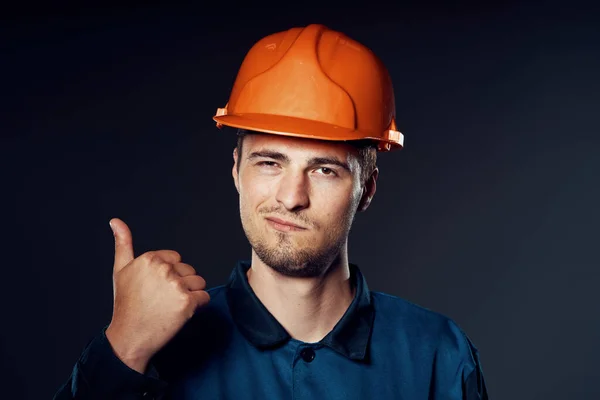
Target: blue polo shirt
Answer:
pixel 384 347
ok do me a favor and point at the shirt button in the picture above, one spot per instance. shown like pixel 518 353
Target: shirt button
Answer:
pixel 307 354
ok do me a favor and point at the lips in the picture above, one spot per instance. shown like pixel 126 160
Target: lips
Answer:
pixel 282 224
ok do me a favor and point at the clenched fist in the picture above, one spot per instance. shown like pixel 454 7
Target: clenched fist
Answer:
pixel 155 294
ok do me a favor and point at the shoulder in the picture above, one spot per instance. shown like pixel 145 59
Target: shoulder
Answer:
pixel 411 320
pixel 396 311
pixel 455 359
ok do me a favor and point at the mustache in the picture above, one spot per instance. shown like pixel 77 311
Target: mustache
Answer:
pixel 298 218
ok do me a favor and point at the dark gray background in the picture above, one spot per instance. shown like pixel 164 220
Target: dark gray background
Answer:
pixel 489 215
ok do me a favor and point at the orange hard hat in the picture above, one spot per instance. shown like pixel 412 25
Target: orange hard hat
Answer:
pixel 317 83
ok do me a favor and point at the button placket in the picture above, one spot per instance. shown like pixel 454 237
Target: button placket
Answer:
pixel 308 354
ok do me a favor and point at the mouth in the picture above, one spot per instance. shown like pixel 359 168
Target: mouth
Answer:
pixel 283 225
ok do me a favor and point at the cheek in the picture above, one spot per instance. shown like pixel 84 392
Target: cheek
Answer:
pixel 335 206
pixel 253 192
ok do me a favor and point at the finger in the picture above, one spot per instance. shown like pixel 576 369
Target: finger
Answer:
pixel 170 256
pixel 201 296
pixel 123 244
pixel 194 282
pixel 184 269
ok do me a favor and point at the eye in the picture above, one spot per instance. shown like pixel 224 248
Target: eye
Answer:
pixel 268 164
pixel 327 171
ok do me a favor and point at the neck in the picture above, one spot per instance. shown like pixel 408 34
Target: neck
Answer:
pixel 308 308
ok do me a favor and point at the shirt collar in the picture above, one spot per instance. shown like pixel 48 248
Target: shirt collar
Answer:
pixel 349 337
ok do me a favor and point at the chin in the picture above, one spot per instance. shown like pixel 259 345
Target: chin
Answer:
pixel 295 271
pixel 301 263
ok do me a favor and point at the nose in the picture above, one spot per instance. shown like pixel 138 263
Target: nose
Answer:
pixel 293 191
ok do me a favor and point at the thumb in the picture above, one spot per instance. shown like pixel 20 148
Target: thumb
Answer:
pixel 123 244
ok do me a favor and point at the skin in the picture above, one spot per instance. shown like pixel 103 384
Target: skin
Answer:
pixel 155 294
pixel 300 274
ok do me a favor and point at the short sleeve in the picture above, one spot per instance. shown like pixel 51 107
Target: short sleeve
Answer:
pixel 457 367
pixel 474 387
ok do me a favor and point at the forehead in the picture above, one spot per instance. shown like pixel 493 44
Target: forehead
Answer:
pixel 298 147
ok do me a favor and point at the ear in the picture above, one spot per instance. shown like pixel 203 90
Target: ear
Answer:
pixel 234 170
pixel 369 190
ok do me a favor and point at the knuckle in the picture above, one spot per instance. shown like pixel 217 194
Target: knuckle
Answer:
pixel 148 257
pixel 187 305
pixel 187 301
pixel 177 284
pixel 164 269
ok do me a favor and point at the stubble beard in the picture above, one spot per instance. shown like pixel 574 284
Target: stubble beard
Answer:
pixel 285 258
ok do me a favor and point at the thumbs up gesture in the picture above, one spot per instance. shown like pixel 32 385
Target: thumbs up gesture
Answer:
pixel 155 294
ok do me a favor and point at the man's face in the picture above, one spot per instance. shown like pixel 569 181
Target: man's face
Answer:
pixel 298 198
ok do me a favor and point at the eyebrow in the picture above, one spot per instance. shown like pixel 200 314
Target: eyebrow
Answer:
pixel 275 155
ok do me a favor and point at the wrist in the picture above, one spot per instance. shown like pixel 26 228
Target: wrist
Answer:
pixel 129 354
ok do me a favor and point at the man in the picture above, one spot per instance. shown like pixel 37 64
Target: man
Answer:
pixel 297 321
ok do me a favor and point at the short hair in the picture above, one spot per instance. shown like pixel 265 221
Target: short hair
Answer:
pixel 367 153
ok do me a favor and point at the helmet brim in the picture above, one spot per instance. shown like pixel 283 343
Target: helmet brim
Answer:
pixel 298 127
